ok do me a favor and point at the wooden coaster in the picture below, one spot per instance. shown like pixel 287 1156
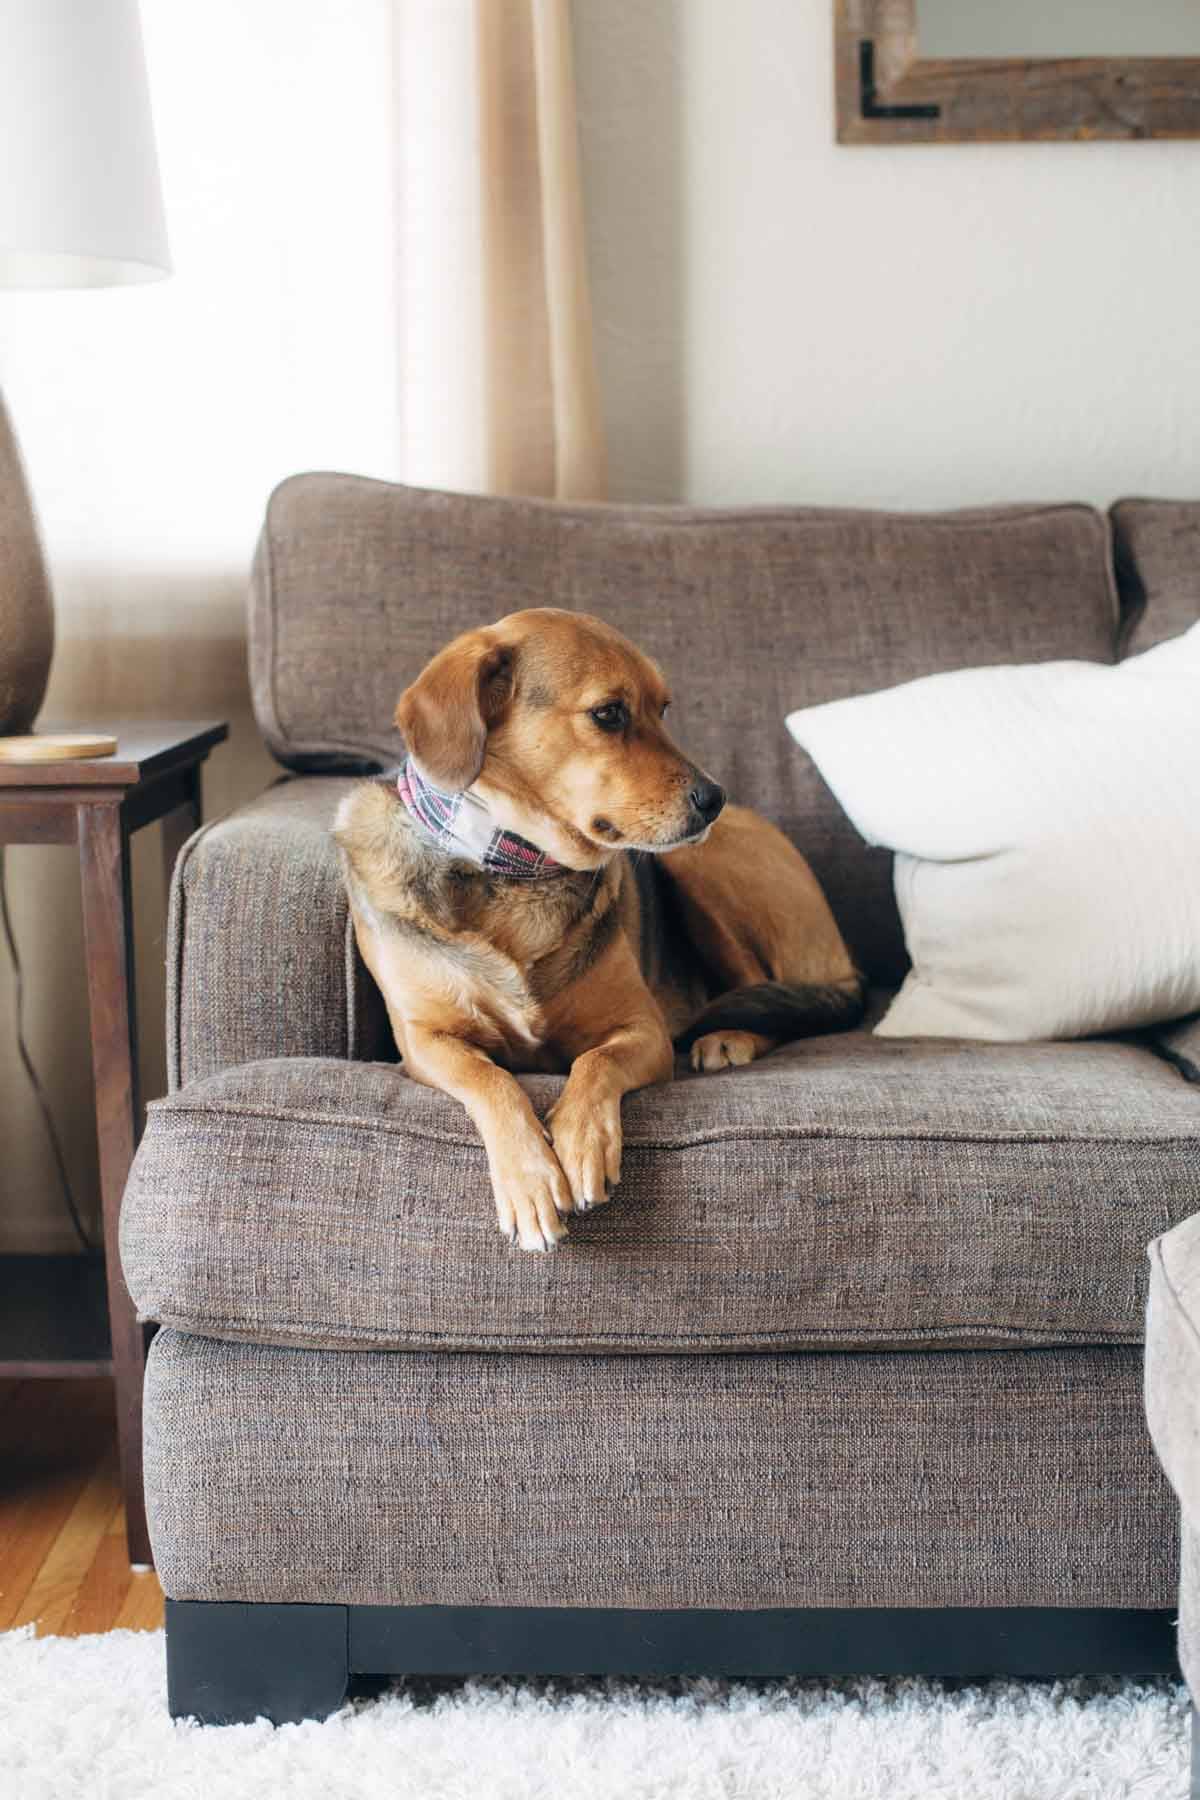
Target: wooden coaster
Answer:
pixel 56 746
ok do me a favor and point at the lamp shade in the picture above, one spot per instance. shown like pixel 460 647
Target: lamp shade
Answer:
pixel 80 201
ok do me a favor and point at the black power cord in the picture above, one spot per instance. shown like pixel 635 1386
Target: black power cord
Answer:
pixel 90 1249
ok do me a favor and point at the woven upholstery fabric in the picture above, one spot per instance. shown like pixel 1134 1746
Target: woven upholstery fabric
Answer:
pixel 751 614
pixel 926 1480
pixel 1173 1358
pixel 261 958
pixel 848 1191
pixel 1157 550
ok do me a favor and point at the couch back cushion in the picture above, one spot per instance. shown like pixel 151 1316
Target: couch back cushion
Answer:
pixel 1157 549
pixel 751 613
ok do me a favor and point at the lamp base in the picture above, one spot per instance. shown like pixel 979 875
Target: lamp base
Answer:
pixel 26 614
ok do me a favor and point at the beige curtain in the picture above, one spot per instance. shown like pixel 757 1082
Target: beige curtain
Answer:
pixel 497 378
pixel 544 433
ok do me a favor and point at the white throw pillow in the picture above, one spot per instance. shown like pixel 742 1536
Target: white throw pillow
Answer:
pixel 1046 824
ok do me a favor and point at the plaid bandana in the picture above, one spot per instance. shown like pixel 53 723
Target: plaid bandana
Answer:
pixel 462 824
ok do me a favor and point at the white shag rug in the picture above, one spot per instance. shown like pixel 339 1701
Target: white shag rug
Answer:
pixel 86 1719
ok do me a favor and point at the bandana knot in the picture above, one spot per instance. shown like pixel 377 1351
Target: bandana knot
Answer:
pixel 462 824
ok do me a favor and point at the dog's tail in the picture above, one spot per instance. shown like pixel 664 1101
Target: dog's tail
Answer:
pixel 781 1009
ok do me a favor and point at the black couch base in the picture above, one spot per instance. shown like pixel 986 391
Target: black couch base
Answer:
pixel 230 1662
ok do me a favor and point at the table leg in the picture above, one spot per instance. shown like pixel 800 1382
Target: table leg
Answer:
pixel 108 944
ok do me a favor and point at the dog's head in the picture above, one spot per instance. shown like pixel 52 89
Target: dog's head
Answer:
pixel 556 720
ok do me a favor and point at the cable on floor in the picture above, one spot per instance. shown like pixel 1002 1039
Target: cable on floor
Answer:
pixel 64 1179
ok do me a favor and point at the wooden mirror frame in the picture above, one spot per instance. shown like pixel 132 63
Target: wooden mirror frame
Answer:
pixel 888 94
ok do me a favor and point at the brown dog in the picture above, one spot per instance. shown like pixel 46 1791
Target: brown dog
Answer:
pixel 517 927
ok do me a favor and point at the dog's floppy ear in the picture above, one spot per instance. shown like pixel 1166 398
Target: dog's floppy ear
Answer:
pixel 445 714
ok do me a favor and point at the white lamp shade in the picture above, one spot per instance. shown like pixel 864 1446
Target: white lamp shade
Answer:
pixel 80 201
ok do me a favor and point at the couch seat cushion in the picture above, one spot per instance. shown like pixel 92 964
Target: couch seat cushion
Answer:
pixel 845 1192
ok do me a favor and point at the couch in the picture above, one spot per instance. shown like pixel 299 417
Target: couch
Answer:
pixel 1173 1399
pixel 848 1375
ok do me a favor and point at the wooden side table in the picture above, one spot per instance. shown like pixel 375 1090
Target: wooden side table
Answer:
pixel 51 1321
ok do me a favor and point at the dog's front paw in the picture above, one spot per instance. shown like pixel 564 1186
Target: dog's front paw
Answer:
pixel 531 1192
pixel 587 1142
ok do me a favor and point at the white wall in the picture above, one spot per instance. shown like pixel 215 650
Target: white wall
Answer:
pixel 778 319
pixel 784 319
pixel 154 422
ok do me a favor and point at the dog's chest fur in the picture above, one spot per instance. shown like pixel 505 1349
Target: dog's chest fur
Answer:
pixel 501 951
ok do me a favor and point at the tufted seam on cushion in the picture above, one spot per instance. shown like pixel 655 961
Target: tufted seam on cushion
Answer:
pixel 177 1107
pixel 309 1334
pixel 684 517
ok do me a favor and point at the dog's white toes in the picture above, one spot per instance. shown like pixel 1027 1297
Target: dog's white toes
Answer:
pixel 531 1221
pixel 531 1192
pixel 589 1195
pixel 537 1237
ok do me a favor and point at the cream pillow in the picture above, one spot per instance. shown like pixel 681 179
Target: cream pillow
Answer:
pixel 1046 824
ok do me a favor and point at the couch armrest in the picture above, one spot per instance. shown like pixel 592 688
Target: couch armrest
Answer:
pixel 261 959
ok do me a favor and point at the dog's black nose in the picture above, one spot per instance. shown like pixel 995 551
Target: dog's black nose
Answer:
pixel 707 799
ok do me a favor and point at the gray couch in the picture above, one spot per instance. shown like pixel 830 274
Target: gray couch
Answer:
pixel 849 1374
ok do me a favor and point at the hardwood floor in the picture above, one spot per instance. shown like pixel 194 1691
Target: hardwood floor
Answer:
pixel 63 1564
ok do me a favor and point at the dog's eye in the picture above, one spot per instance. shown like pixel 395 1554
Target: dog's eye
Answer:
pixel 614 716
pixel 665 709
